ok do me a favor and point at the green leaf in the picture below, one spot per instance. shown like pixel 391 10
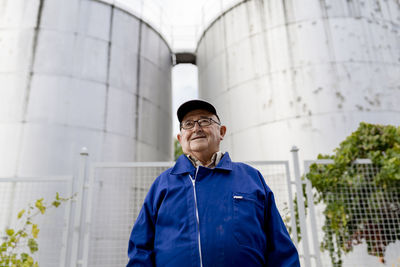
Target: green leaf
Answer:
pixel 10 232
pixel 33 245
pixel 24 234
pixel 39 204
pixel 3 247
pixel 56 203
pixel 24 257
pixel 20 214
pixel 35 230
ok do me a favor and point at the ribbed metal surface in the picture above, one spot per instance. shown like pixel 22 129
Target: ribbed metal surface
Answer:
pixel 77 73
pixel 287 72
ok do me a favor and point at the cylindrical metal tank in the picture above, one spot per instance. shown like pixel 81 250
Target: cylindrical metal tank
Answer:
pixel 304 73
pixel 80 73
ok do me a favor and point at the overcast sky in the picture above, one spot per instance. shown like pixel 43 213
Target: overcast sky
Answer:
pixel 184 87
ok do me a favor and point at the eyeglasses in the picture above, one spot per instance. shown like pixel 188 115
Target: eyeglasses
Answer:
pixel 187 125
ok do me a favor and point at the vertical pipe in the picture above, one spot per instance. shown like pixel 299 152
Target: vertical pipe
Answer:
pixel 78 210
pixel 300 202
pixel 292 214
pixel 109 55
pixel 137 89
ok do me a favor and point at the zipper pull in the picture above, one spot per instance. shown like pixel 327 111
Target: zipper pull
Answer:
pixel 238 197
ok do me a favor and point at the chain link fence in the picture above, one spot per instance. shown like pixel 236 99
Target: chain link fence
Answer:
pixel 358 218
pixel 94 229
pixel 17 194
pixel 116 195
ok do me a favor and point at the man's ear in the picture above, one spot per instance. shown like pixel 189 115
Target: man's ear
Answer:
pixel 222 131
pixel 178 136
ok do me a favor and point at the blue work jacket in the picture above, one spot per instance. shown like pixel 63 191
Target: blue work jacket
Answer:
pixel 203 217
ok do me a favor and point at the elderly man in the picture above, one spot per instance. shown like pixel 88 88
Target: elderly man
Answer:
pixel 207 210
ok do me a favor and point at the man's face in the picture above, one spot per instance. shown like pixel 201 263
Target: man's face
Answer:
pixel 201 140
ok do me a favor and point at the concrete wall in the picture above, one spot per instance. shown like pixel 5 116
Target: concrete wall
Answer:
pixel 77 73
pixel 285 72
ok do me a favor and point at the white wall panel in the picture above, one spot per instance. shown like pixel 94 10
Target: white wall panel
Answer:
pixel 50 149
pixel 72 102
pixel 15 50
pixel 118 148
pixel 9 142
pixel 91 60
pixel 236 26
pixel 19 14
pixel 12 96
pixel 95 20
pixel 243 71
pixel 124 52
pixel 123 68
pixel 125 31
pixel 150 45
pixel 216 76
pixel 121 112
pixel 65 21
pixel 55 53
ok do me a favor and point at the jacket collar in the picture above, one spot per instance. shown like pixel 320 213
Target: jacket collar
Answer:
pixel 183 165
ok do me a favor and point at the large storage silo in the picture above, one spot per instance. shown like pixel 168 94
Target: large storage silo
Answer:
pixel 285 72
pixel 77 73
pixel 73 74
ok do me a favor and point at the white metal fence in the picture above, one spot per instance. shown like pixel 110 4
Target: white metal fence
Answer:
pixel 116 194
pixel 94 229
pixel 17 193
pixel 277 177
pixel 370 230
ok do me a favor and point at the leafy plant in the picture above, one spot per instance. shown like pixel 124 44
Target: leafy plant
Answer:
pixel 21 242
pixel 286 217
pixel 357 207
pixel 177 149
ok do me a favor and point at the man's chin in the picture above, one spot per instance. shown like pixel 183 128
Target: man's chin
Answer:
pixel 198 148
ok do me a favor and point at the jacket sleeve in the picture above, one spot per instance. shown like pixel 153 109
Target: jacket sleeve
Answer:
pixel 280 248
pixel 141 241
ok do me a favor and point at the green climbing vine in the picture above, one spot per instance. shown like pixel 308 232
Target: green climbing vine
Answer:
pixel 20 243
pixel 376 216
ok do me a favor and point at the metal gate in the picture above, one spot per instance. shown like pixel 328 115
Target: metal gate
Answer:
pixel 115 194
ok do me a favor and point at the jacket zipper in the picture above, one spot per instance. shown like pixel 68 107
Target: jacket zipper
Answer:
pixel 197 214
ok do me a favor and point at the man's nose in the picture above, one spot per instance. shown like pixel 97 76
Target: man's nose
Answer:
pixel 197 126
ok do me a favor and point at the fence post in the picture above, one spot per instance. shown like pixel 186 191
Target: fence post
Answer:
pixel 88 217
pixel 300 206
pixel 67 221
pixel 78 210
pixel 311 208
pixel 291 207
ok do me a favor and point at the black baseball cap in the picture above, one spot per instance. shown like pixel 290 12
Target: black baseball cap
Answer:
pixel 194 104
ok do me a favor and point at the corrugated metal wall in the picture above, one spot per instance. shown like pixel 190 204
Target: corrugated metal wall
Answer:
pixel 286 72
pixel 77 73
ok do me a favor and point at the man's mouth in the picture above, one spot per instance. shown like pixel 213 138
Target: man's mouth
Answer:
pixel 197 137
